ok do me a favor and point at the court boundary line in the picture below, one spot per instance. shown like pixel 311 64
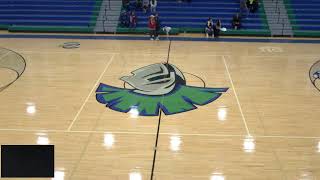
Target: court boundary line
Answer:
pixel 112 53
pixel 92 90
pixel 175 38
pixel 158 54
pixel 152 133
pixel 67 52
pixel 236 95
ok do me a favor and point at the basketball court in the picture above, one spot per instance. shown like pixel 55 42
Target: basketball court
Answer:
pixel 265 126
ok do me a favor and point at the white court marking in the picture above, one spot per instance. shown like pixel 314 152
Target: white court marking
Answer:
pixel 236 95
pixel 270 49
pixel 93 88
pixel 4 55
pixel 143 133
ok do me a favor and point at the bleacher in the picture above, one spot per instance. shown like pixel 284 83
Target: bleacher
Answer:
pixel 49 15
pixel 304 16
pixel 191 17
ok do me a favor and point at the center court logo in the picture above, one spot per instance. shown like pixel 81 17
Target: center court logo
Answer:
pixel 154 88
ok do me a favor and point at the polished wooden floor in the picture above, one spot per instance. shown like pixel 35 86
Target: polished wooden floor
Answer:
pixel 265 127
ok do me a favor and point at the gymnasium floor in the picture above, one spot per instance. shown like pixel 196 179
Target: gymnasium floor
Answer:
pixel 265 127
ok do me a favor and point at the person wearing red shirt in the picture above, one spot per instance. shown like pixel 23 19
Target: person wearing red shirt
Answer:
pixel 152 27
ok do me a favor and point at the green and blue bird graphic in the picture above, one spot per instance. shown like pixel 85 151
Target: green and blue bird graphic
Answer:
pixel 154 88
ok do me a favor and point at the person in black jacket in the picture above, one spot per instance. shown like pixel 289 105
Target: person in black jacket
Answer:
pixel 236 22
pixel 158 25
pixel 209 28
pixel 217 28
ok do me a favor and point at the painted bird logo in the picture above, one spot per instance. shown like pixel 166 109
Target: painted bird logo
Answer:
pixel 156 87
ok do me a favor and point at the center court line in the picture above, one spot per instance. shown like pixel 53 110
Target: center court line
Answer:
pixel 93 88
pixel 236 95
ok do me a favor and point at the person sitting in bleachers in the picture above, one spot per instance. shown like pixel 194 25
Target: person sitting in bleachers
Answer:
pixel 236 22
pixel 153 5
pixel 126 4
pixel 124 19
pixel 145 6
pixel 133 20
pixel 209 28
pixel 253 5
pixel 138 4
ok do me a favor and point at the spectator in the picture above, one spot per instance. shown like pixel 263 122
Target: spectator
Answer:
pixel 126 4
pixel 243 9
pixel 133 20
pixel 209 28
pixel 145 6
pixel 253 5
pixel 124 19
pixel 158 25
pixel 152 27
pixel 236 22
pixel 153 6
pixel 139 4
pixel 217 28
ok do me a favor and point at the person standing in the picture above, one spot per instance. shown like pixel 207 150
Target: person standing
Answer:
pixel 153 6
pixel 209 28
pixel 158 25
pixel 152 27
pixel 217 28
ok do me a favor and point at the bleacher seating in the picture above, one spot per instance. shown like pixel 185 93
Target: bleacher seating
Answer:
pixel 304 16
pixel 55 14
pixel 191 17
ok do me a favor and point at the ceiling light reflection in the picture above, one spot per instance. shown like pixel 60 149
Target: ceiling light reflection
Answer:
pixel 108 140
pixel 319 146
pixel 249 144
pixel 58 175
pixel 222 113
pixel 31 108
pixel 134 112
pixel 135 176
pixel 306 176
pixel 175 142
pixel 42 139
pixel 217 176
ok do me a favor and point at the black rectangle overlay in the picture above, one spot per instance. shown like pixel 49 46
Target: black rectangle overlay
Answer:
pixel 27 161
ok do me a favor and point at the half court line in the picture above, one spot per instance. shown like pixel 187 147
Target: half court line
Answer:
pixel 93 88
pixel 159 122
pixel 236 95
